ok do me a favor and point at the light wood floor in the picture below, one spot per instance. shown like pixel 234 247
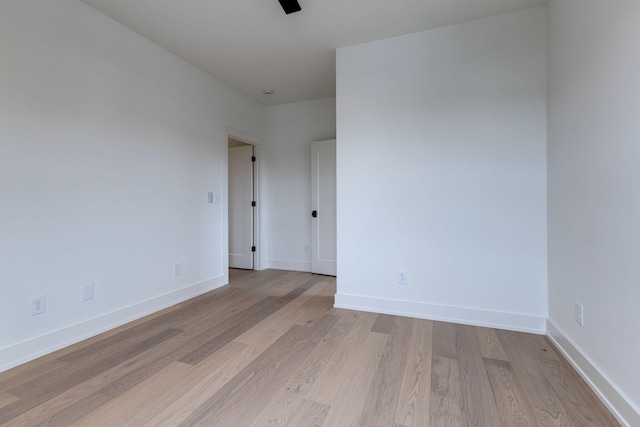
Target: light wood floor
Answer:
pixel 269 350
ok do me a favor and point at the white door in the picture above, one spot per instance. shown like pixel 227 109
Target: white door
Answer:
pixel 240 209
pixel 323 205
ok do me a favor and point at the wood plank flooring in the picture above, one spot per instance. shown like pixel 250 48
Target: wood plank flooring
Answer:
pixel 270 350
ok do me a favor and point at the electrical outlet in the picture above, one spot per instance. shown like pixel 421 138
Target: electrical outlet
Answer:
pixel 402 277
pixel 307 249
pixel 87 292
pixel 579 314
pixel 37 305
pixel 177 269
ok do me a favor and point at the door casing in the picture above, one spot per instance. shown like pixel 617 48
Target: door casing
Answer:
pixel 241 215
pixel 323 202
pixel 258 261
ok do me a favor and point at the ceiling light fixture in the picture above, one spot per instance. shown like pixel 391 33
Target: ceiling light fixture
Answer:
pixel 267 92
pixel 290 6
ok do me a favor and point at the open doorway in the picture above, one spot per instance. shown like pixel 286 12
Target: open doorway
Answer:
pixel 242 203
pixel 323 205
pixel 232 139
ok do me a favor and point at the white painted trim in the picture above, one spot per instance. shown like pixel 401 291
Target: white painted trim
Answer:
pixel 618 404
pixel 444 313
pixel 280 264
pixel 259 261
pixel 319 201
pixel 26 351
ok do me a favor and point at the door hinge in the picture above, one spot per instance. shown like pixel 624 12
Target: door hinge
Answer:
pixel 253 248
pixel 253 204
pixel 253 158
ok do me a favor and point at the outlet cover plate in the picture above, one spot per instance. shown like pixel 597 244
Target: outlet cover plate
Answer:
pixel 37 305
pixel 579 314
pixel 87 292
pixel 402 277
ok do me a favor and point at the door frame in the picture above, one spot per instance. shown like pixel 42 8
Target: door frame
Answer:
pixel 319 265
pixel 258 261
pixel 243 169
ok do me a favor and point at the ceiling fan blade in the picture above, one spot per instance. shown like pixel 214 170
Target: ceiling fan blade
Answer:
pixel 290 6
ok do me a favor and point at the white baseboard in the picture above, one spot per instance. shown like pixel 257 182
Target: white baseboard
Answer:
pixel 618 405
pixel 464 315
pixel 26 351
pixel 280 264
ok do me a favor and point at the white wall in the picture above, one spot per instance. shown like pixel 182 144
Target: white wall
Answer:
pixel 108 147
pixel 287 159
pixel 594 192
pixel 441 172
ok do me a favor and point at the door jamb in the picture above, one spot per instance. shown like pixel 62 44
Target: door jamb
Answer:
pixel 258 261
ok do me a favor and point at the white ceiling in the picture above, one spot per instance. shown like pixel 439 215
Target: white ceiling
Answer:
pixel 252 45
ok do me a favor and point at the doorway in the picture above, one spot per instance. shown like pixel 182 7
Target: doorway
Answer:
pixel 323 205
pixel 242 190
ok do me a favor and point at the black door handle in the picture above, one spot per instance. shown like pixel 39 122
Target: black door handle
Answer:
pixel 314 214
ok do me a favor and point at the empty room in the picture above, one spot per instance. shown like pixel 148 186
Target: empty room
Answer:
pixel 319 213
